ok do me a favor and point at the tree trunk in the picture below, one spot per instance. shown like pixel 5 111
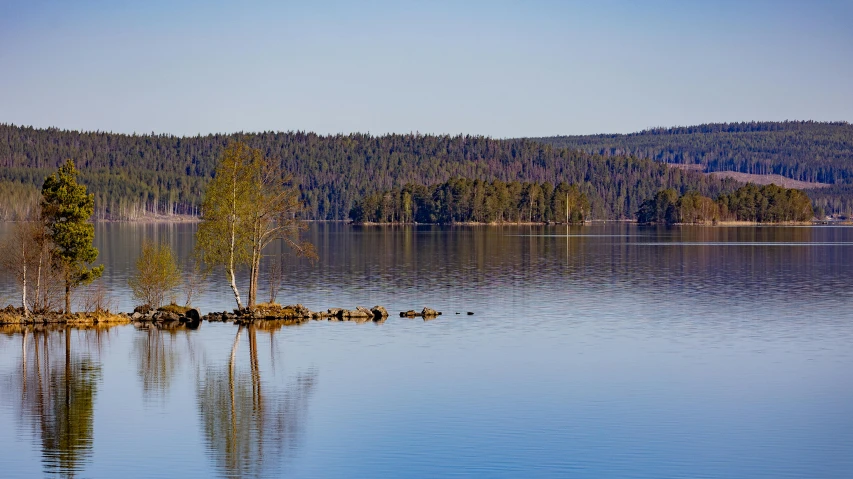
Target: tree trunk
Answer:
pixel 234 286
pixel 24 282
pixel 67 297
pixel 231 265
pixel 253 281
pixel 36 304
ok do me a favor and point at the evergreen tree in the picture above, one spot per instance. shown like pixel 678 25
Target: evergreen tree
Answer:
pixel 66 210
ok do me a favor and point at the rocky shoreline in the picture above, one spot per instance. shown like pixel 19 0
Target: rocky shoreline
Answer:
pixel 191 318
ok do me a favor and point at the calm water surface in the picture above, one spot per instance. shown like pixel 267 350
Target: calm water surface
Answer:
pixel 603 351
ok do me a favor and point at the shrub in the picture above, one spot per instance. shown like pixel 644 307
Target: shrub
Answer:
pixel 157 274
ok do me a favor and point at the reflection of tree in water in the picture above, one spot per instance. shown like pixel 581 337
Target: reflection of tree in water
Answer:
pixel 55 390
pixel 158 356
pixel 248 429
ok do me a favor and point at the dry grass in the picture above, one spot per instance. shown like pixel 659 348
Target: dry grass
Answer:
pixel 76 319
pixel 97 318
pixel 768 179
pixel 7 318
pixel 174 308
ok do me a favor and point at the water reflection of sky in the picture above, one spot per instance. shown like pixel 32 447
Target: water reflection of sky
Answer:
pixel 592 357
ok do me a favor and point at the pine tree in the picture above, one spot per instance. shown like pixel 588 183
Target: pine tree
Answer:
pixel 66 209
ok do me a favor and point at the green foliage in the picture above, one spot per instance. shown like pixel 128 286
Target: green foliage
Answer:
pixel 249 203
pixel 136 174
pixel 157 274
pixel 662 208
pixel 66 209
pixel 767 204
pixel 222 238
pixel 801 150
pixel 466 200
pixel 764 204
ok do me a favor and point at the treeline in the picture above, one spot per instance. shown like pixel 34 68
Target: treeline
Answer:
pixel 18 201
pixel 134 175
pixel 802 150
pixel 462 200
pixel 762 204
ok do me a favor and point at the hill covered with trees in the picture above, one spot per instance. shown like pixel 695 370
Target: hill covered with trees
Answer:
pixel 800 150
pixel 815 152
pixel 134 175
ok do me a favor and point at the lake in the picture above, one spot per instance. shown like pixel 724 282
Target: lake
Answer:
pixel 599 351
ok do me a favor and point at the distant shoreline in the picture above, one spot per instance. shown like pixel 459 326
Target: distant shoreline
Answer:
pixel 188 219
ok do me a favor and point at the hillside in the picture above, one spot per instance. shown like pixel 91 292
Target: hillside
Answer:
pixel 804 151
pixel 778 180
pixel 820 153
pixel 134 175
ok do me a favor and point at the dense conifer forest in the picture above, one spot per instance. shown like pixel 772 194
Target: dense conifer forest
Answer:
pixel 463 200
pixel 761 204
pixel 135 175
pixel 801 150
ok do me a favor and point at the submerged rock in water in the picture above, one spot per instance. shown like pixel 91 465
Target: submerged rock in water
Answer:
pixel 379 312
pixel 429 313
pixel 409 314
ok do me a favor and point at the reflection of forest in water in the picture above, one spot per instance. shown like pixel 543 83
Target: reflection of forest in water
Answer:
pixel 159 352
pixel 250 427
pixel 54 391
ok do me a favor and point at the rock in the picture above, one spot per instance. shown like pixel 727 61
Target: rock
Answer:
pixel 379 312
pixel 193 323
pixel 193 315
pixel 336 312
pixel 166 316
pixel 429 313
pixel 356 313
pixel 145 308
pixel 470 313
pixel 136 315
pixel 409 314
pixel 367 312
pixel 299 309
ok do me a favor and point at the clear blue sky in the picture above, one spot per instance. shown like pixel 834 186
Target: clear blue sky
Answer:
pixel 496 68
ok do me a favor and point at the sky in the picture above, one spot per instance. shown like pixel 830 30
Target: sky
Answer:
pixel 495 68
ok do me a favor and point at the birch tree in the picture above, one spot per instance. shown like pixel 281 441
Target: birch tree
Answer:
pixel 249 204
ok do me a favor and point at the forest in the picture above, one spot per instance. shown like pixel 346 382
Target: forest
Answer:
pixel 136 175
pixel 802 150
pixel 461 200
pixel 760 204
